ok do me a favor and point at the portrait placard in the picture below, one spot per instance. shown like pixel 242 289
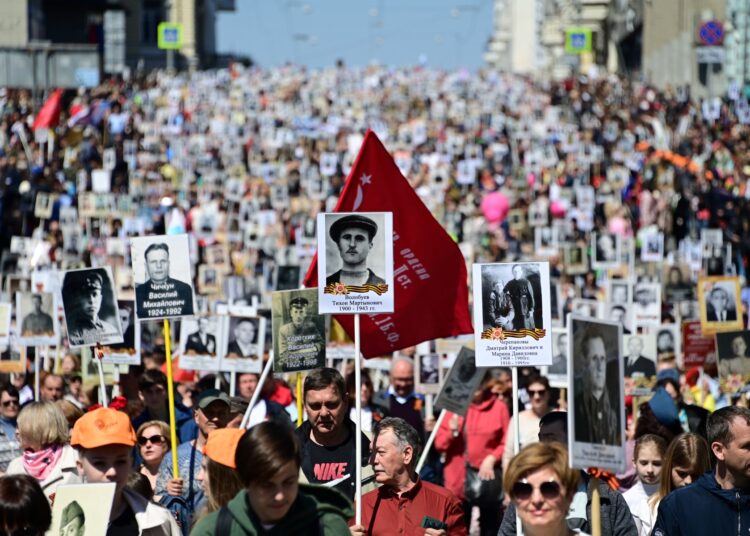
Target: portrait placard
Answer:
pixel 733 359
pixel 355 259
pixel 606 250
pixel 652 247
pixel 243 343
pixel 640 363
pixel 575 260
pixel 677 284
pixel 36 313
pixel 288 277
pixel 128 351
pixel 546 241
pixel 596 418
pixel 90 305
pixel 428 373
pixel 512 317
pixel 43 205
pixel 161 272
pixel 298 329
pixel 720 304
pixel 459 386
pixel 198 343
pixel 5 313
pixel 557 372
pixel 647 304
pixel 82 509
pixel 669 342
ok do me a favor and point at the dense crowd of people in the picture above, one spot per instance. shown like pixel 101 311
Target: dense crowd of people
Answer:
pixel 587 174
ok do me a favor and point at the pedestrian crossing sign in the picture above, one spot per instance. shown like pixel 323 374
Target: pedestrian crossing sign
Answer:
pixel 577 40
pixel 170 36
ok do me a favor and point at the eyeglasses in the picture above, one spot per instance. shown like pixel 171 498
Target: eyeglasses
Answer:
pixel 9 402
pixel 534 392
pixel 155 440
pixel 522 490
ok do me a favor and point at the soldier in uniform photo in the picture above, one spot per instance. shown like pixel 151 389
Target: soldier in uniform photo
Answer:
pixel 159 286
pixel 521 298
pixel 353 235
pixel 301 335
pixel 73 520
pixel 560 360
pixel 201 342
pixel 82 300
pixel 243 344
pixel 37 322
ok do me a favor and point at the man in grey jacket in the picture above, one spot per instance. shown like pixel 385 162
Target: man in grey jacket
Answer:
pixel 615 515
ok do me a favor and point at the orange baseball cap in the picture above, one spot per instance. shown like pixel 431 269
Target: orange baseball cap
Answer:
pixel 221 445
pixel 103 426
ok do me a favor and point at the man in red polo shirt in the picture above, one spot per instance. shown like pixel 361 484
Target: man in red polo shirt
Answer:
pixel 405 504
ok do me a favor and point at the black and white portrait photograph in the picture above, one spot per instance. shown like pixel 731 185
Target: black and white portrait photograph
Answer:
pixel 163 281
pixel 606 250
pixel 516 219
pixel 586 307
pixel 677 284
pixel 36 314
pixel 43 205
pixel 5 314
pixel 640 363
pixel 428 373
pixel 244 346
pixel 652 247
pixel 720 304
pixel 210 280
pixel 90 304
pixel 618 291
pixel 512 317
pixel 575 259
pixel 299 341
pixel 288 277
pixel 539 213
pixel 128 351
pixel 82 509
pixel 355 259
pixel 199 344
pixel 622 313
pixel 460 383
pixel 668 341
pixel 647 304
pixel 545 241
pixel 711 239
pixel 733 349
pixel 596 401
pixel 557 372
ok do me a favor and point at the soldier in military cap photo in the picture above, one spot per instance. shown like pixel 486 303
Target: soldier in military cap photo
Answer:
pixel 73 520
pixel 91 313
pixel 298 332
pixel 353 235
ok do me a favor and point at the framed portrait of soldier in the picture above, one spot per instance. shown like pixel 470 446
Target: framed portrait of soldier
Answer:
pixel 647 304
pixel 355 262
pixel 162 277
pixel 575 260
pixel 82 509
pixel 299 337
pixel 596 415
pixel 428 373
pixel 36 319
pixel 128 351
pixel 243 346
pixel 719 304
pixel 462 380
pixel 606 250
pixel 546 243
pixel 652 247
pixel 640 363
pixel 5 314
pixel 90 304
pixel 199 343
pixel 512 318
pixel 557 372
pixel 733 349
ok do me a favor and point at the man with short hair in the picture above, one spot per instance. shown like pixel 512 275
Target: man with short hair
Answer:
pixel 243 344
pixel 82 300
pixel 53 388
pixel 353 236
pixel 719 501
pixel 213 412
pixel 300 338
pixel 596 420
pixel 264 409
pixel 10 448
pixel 37 322
pixel 405 504
pixel 159 287
pixel 717 308
pixel 400 399
pixel 328 435
pixel 201 342
pixel 637 364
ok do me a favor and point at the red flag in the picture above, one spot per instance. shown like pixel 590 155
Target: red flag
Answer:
pixel 49 114
pixel 430 284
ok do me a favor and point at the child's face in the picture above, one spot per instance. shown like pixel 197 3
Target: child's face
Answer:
pixel 110 463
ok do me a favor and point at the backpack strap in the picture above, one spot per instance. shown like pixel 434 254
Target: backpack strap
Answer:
pixel 223 521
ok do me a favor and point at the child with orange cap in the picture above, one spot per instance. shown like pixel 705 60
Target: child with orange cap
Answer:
pixel 218 474
pixel 105 439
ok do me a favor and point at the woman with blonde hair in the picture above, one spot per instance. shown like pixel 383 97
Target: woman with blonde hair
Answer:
pixel 153 446
pixel 43 433
pixel 542 485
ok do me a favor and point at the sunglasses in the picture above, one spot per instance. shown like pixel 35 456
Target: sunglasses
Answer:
pixel 155 440
pixel 9 402
pixel 540 392
pixel 522 490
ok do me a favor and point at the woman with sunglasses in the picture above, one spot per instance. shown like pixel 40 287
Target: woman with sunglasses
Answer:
pixel 538 390
pixel 687 458
pixel 542 486
pixel 153 445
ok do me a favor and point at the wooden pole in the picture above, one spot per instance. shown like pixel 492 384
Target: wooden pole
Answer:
pixel 596 504
pixel 170 394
